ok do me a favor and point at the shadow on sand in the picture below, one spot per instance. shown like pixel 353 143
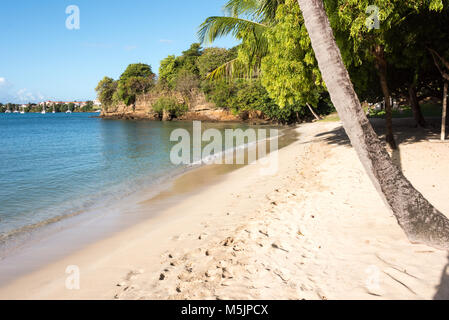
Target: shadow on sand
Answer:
pixel 443 288
pixel 405 132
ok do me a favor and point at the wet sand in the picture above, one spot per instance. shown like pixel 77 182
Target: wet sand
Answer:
pixel 56 241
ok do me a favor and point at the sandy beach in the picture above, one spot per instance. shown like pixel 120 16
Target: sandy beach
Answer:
pixel 315 230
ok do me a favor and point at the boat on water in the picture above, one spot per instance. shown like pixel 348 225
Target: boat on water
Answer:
pixel 8 111
pixel 43 110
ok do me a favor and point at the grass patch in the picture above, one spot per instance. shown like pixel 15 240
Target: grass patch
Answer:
pixel 333 117
pixel 428 110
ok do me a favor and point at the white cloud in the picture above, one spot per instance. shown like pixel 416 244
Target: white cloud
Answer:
pixel 9 94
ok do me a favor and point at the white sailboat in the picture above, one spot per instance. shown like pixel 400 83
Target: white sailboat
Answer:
pixel 43 110
pixel 7 110
pixel 53 110
pixel 68 110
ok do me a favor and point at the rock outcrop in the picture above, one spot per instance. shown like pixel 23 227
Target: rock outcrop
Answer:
pixel 198 109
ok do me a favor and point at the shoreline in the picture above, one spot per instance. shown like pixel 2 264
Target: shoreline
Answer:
pixel 50 235
pixel 316 230
pixel 254 121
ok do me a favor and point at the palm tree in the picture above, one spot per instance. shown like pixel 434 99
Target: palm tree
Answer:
pixel 418 218
pixel 259 15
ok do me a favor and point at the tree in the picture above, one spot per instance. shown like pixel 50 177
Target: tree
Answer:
pixel 289 70
pixel 212 58
pixel 246 20
pixel 445 75
pixel 167 71
pixel 379 45
pixel 137 79
pixel 417 217
pixel 412 67
pixel 139 70
pixel 188 61
pixel 185 83
pixel 105 91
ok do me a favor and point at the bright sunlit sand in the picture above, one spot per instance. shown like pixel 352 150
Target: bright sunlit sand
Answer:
pixel 316 230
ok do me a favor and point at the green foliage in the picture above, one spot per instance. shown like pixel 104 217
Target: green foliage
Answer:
pixel 290 72
pixel 171 105
pixel 174 71
pixel 428 110
pixel 167 71
pixel 139 70
pixel 89 107
pixel 247 21
pixel 246 96
pixel 137 79
pixel 220 92
pixel 212 58
pixel 188 61
pixel 105 91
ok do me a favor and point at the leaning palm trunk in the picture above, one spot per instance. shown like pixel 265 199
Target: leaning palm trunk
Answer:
pixel 417 217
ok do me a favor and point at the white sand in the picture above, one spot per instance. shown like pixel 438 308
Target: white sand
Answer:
pixel 316 230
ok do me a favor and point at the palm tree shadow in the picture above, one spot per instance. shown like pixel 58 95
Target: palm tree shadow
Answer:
pixel 443 288
pixel 405 132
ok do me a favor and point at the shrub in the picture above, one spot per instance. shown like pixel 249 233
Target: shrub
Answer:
pixel 171 105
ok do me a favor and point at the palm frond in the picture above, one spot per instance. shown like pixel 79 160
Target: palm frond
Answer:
pixel 267 9
pixel 226 70
pixel 261 10
pixel 216 27
pixel 233 69
pixel 236 8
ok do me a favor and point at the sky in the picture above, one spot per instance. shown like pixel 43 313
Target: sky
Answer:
pixel 42 59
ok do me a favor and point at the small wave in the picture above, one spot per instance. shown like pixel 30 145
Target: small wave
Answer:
pixel 211 159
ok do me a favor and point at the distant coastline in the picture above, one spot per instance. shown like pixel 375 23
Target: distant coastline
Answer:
pixel 52 107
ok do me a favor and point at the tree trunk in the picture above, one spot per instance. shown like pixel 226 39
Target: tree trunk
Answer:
pixel 381 66
pixel 416 108
pixel 417 217
pixel 317 117
pixel 443 118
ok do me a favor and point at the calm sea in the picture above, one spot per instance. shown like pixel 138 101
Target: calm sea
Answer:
pixel 58 165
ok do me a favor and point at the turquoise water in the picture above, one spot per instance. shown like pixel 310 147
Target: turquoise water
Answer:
pixel 57 165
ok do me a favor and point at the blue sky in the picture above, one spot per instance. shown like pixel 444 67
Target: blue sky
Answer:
pixel 41 59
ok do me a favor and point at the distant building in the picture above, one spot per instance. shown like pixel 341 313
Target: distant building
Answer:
pixel 51 103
